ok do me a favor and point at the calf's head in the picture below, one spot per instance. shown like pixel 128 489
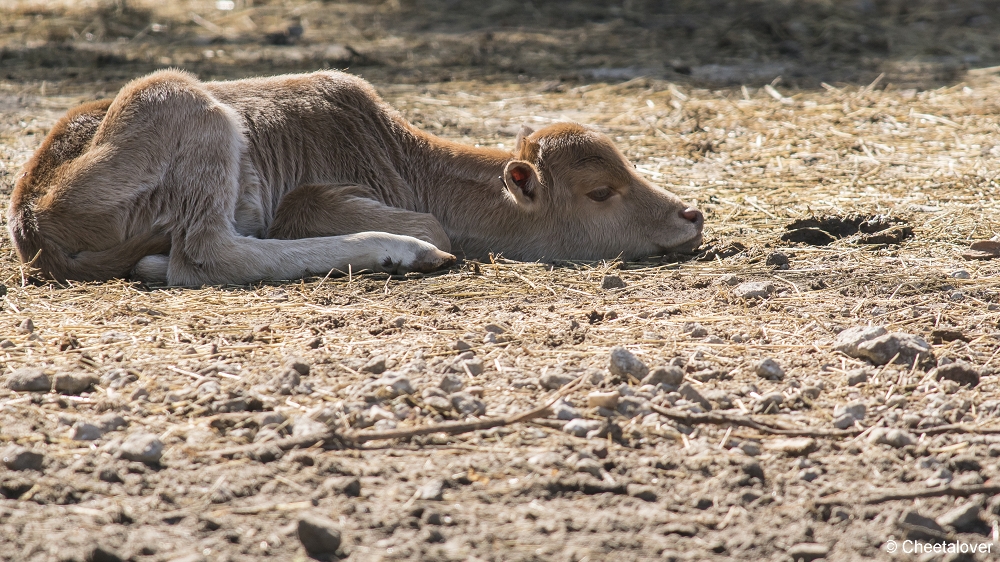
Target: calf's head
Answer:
pixel 578 197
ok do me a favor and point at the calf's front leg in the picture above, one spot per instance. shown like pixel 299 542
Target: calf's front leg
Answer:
pixel 330 210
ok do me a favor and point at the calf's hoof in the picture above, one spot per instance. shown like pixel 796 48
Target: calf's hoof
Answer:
pixel 428 260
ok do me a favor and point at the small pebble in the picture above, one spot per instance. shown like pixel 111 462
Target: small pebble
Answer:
pixel 432 491
pixel 439 403
pixel 750 448
pixel 857 376
pixel 494 329
pixel 893 437
pixel 770 402
pixel 612 282
pixel 563 410
pixel 29 379
pixel 899 347
pixel 142 447
pixel 694 329
pixel 286 381
pixel 961 274
pixel 581 427
pixel 844 421
pixel 392 386
pixel 304 426
pixel 83 431
pixel 461 345
pixel 624 363
pixel 730 279
pixel 769 369
pixel 111 422
pixel 961 518
pixel 74 383
pixel 451 383
pixel 855 409
pixel 961 372
pixel 752 290
pixel 607 400
pixel 555 380
pixel 319 535
pixel 375 365
pixel 670 376
pixel 26 327
pixel 689 393
pixel 847 341
pixel 15 457
pixel 300 365
pixel 467 404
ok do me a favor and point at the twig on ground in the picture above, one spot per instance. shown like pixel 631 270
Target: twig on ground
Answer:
pixel 355 438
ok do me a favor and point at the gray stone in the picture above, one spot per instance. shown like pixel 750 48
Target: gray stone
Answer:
pixel 612 282
pixel 588 465
pixel 961 518
pixel 375 365
pixel 74 383
pixel 770 402
pixel 769 369
pixel 856 377
pixel 16 457
pixel 111 422
pixel 919 527
pixel 564 410
pixel 690 394
pixel 807 551
pixel 29 379
pixel 304 426
pixel 694 329
pixel 300 365
pixel 623 363
pixel 467 404
pixel 286 381
pixel 961 274
pixel 961 372
pixel 670 376
pixel 26 326
pixel 319 535
pixel 752 290
pixel 893 437
pixel 905 348
pixel 750 448
pixel 83 431
pixel 432 491
pixel 555 380
pixel 392 386
pixel 451 383
pixel 494 329
pixel 632 406
pixel 844 421
pixel 847 341
pixel 439 403
pixel 142 447
pixel 855 409
pixel 581 427
pixel 730 279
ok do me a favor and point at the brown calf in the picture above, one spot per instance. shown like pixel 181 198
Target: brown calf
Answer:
pixel 188 182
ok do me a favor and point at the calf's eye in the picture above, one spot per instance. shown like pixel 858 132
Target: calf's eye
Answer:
pixel 601 194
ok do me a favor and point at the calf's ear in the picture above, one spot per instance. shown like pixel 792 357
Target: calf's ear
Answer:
pixel 521 180
pixel 522 139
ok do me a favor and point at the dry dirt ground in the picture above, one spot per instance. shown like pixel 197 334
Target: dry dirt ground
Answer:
pixel 724 459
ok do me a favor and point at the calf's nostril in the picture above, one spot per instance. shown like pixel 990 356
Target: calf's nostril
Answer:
pixel 692 215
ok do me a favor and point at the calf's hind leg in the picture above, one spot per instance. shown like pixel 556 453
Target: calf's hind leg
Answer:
pixel 199 190
pixel 330 210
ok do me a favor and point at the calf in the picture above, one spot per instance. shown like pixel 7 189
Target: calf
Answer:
pixel 186 183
